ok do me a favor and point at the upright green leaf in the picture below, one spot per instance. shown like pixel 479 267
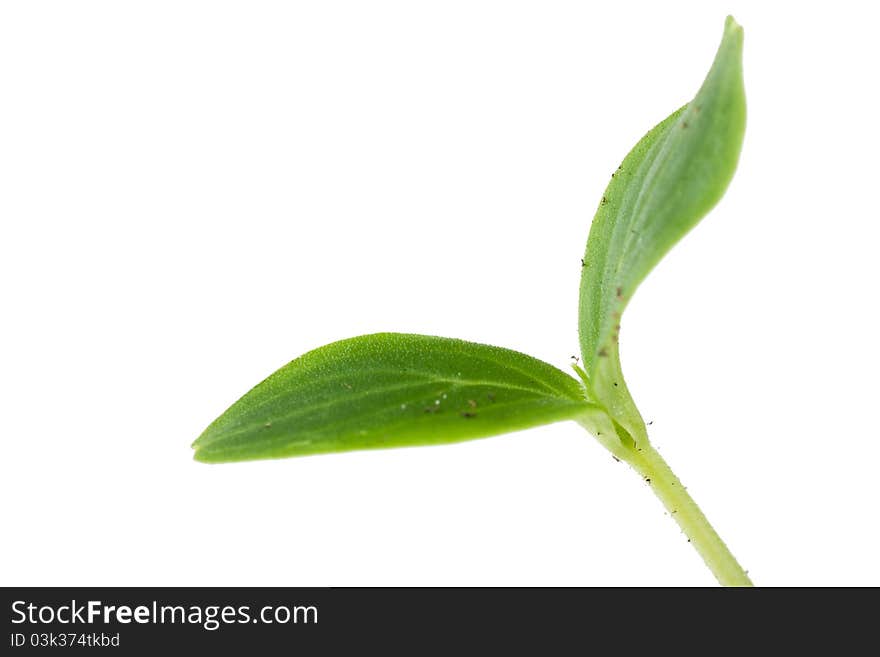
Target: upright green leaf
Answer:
pixel 390 390
pixel 666 184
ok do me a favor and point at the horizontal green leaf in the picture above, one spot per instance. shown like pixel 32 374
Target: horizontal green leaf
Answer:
pixel 390 390
pixel 666 184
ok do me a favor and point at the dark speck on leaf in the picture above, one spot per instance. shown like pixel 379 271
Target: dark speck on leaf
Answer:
pixel 684 125
pixel 619 292
pixel 468 414
pixel 583 263
pixel 604 201
pixel 603 353
pixel 490 397
pixel 615 458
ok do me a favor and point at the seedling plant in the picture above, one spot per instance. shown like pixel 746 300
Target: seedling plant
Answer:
pixel 399 390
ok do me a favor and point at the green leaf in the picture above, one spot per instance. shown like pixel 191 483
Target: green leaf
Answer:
pixel 666 184
pixel 390 390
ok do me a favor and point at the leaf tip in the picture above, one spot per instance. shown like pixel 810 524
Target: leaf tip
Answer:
pixel 730 25
pixel 733 32
pixel 199 455
pixel 210 455
pixel 198 442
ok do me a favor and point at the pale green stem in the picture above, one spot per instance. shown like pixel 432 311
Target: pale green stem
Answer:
pixel 648 463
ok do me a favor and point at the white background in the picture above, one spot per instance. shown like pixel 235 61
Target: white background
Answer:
pixel 192 194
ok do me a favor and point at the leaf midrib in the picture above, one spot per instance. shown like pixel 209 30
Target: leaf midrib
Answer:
pixel 247 424
pixel 389 428
pixel 544 389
